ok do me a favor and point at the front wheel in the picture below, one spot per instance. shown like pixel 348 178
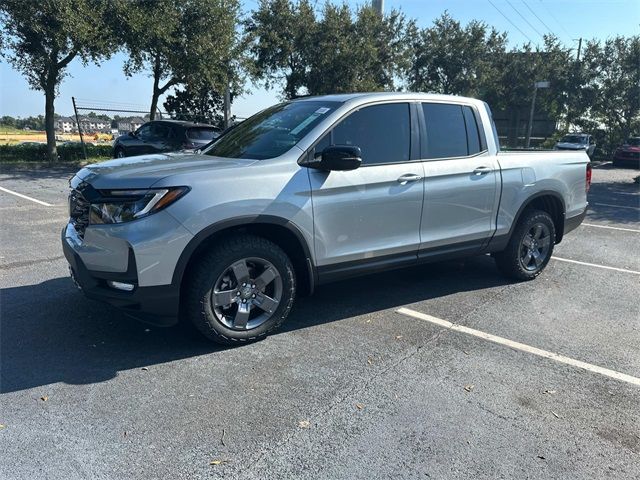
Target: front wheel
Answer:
pixel 119 153
pixel 241 290
pixel 530 247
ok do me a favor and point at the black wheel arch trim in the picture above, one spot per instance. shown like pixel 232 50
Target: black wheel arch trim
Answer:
pixel 499 241
pixel 243 221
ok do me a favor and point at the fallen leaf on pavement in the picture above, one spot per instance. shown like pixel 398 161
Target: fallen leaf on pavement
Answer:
pixel 555 414
pixel 304 424
pixel 468 388
pixel 541 457
pixel 398 337
pixel 359 406
pixel 218 462
pixel 548 392
pixel 145 368
pixel 370 360
pixel 2 426
pixel 44 398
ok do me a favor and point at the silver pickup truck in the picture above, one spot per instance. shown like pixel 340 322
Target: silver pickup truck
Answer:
pixel 311 191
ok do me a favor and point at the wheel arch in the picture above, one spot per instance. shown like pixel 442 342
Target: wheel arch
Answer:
pixel 548 201
pixel 280 231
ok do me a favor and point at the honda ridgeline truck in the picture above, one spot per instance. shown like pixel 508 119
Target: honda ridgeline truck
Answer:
pixel 311 191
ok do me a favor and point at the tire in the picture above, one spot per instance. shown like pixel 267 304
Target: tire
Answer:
pixel 530 246
pixel 119 153
pixel 261 293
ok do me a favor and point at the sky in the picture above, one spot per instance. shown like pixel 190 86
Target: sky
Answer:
pixel 523 20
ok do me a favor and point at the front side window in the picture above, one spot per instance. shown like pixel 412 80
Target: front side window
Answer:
pixel 446 131
pixel 272 132
pixel 144 132
pixel 383 133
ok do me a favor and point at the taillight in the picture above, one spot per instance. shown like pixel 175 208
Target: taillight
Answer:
pixel 588 176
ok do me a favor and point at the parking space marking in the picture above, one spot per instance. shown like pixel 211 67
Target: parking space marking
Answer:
pixel 611 228
pixel 616 206
pixel 522 347
pixel 625 270
pixel 25 197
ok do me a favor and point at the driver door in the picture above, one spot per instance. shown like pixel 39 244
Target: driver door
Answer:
pixel 370 216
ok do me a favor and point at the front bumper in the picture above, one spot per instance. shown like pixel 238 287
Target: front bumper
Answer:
pixel 155 304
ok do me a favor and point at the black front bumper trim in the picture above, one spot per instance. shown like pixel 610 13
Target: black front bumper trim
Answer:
pixel 158 305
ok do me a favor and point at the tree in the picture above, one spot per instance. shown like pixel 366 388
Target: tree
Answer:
pixel 611 76
pixel 44 37
pixel 351 52
pixel 451 59
pixel 197 103
pixel 342 51
pixel 279 36
pixel 179 41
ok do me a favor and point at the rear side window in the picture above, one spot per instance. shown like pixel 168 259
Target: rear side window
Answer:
pixel 383 133
pixel 446 131
pixel 202 133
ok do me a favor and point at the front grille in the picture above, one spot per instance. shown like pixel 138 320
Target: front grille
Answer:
pixel 78 211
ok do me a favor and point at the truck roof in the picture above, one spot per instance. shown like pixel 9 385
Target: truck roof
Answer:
pixel 363 97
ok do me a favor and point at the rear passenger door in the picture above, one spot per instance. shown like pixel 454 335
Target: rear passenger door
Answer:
pixel 372 214
pixel 461 180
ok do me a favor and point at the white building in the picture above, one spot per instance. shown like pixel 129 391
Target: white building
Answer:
pixel 65 125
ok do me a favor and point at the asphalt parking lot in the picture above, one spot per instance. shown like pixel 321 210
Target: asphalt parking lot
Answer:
pixel 351 388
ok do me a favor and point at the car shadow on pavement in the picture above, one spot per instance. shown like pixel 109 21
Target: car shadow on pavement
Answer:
pixel 39 171
pixel 51 333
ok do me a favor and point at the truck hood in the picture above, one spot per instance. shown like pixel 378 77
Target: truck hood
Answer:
pixel 145 170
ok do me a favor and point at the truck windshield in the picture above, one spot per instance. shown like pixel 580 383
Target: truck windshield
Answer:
pixel 574 139
pixel 273 131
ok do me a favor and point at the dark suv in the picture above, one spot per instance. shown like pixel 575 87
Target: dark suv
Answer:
pixel 164 136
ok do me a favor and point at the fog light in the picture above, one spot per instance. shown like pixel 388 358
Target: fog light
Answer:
pixel 127 287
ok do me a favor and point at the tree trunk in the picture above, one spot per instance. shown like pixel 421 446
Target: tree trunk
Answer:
pixel 49 121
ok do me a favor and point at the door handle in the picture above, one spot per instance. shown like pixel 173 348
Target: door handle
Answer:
pixel 408 177
pixel 482 170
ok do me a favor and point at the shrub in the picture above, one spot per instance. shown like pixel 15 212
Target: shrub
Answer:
pixel 37 152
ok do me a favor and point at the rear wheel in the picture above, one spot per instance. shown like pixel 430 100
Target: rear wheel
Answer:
pixel 119 153
pixel 241 290
pixel 530 247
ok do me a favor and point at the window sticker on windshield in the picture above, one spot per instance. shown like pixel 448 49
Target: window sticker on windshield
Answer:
pixel 304 123
pixel 322 110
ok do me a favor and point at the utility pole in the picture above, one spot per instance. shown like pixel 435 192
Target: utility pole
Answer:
pixel 227 106
pixel 579 48
pixel 536 86
pixel 378 5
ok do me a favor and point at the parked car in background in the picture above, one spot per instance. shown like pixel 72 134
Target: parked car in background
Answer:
pixel 628 155
pixel 312 191
pixel 577 141
pixel 164 136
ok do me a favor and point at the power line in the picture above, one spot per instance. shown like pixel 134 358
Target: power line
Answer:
pixel 536 15
pixel 525 19
pixel 555 19
pixel 509 20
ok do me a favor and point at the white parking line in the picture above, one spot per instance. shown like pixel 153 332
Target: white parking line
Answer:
pixel 616 206
pixel 522 347
pixel 25 197
pixel 611 228
pixel 625 270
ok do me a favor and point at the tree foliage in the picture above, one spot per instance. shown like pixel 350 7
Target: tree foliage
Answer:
pixel 197 103
pixel 339 51
pixel 42 38
pixel 179 41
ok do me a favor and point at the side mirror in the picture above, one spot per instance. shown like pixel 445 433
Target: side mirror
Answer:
pixel 132 134
pixel 337 157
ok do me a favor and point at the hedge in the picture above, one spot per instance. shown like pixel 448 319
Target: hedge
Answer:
pixel 38 152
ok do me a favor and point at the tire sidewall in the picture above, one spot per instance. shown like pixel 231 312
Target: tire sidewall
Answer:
pixel 209 324
pixel 535 216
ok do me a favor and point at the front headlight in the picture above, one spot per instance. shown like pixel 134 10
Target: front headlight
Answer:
pixel 118 206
